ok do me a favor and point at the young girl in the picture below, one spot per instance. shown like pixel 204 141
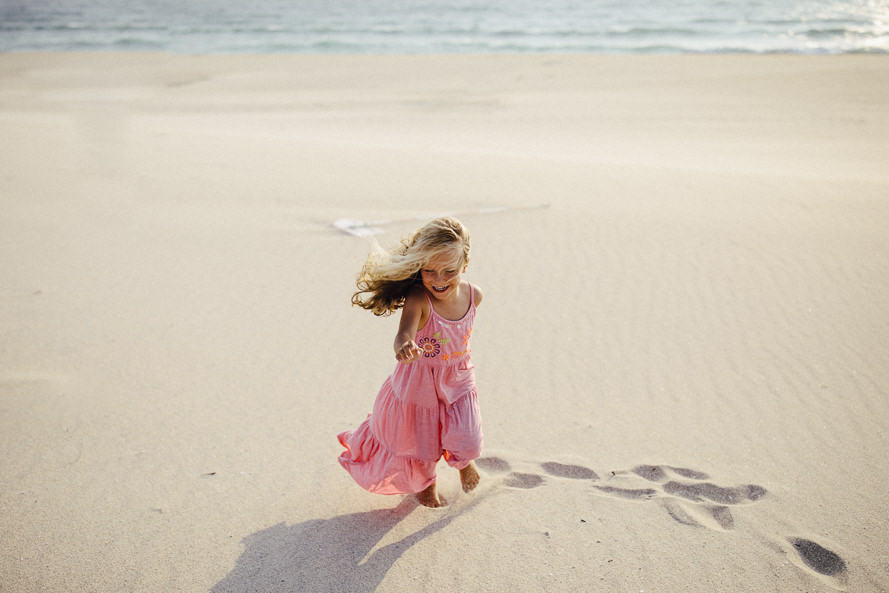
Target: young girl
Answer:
pixel 428 407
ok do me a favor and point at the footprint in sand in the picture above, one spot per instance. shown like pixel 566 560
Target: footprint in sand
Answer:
pixel 827 565
pixel 495 465
pixel 574 472
pixel 818 558
pixel 492 464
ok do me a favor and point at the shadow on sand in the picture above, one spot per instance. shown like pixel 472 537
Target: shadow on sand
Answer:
pixel 325 555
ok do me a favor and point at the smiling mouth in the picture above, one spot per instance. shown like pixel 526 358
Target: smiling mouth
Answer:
pixel 439 289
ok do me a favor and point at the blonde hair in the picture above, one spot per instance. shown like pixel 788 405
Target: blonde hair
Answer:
pixel 386 278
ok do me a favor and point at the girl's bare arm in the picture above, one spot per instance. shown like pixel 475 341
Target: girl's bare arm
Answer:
pixel 477 294
pixel 406 350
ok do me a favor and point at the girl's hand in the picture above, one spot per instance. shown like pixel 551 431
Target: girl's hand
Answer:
pixel 408 353
pixel 406 349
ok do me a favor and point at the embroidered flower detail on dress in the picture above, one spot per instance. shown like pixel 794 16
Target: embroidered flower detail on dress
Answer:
pixel 429 346
pixel 442 341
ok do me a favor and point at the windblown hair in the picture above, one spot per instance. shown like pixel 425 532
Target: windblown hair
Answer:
pixel 386 278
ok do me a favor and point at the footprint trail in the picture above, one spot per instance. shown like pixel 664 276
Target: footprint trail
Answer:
pixel 688 496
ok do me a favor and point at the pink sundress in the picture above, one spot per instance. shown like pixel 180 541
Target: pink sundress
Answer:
pixel 424 410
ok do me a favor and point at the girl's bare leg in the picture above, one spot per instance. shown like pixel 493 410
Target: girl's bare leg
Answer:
pixel 469 477
pixel 429 497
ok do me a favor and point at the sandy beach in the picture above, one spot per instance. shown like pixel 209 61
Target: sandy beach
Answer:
pixel 682 351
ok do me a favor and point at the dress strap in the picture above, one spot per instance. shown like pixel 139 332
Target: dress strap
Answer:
pixel 428 298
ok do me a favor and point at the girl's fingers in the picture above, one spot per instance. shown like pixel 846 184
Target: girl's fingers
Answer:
pixel 408 353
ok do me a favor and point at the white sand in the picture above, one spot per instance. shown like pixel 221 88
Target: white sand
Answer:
pixel 708 289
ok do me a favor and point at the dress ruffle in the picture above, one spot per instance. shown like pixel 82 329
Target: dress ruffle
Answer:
pixel 391 452
pixel 378 470
pixel 403 427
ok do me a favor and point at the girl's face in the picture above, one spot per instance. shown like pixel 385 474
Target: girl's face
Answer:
pixel 442 275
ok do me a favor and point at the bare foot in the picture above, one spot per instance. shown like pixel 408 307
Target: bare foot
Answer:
pixel 469 477
pixel 429 497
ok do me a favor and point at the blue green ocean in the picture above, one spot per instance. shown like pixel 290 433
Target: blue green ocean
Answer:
pixel 447 26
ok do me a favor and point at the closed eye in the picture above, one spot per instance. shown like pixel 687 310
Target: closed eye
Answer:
pixel 443 274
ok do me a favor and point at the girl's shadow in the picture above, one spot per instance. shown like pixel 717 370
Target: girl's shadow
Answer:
pixel 324 555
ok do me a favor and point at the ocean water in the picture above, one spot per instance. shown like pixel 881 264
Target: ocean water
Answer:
pixel 447 26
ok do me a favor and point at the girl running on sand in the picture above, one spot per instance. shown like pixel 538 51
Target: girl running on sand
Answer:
pixel 428 407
